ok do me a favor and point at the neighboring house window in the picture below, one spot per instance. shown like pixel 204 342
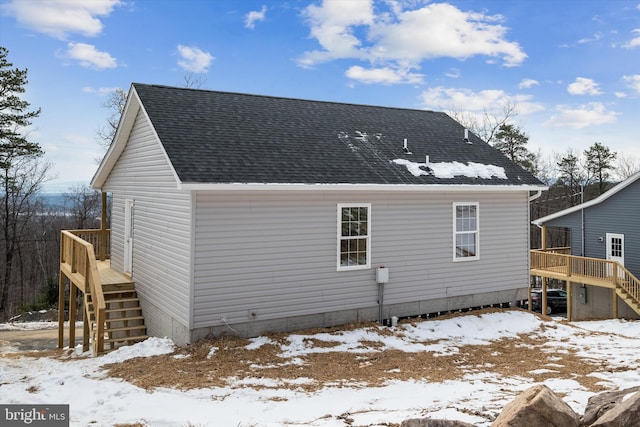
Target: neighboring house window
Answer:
pixel 354 232
pixel 465 235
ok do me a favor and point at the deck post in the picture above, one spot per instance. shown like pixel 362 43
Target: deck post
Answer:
pixel 543 237
pixel 61 286
pixel 103 228
pixel 543 307
pixel 569 301
pixel 72 315
pixel 85 331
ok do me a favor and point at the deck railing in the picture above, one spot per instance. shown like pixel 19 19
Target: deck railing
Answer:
pixel 595 271
pixel 78 262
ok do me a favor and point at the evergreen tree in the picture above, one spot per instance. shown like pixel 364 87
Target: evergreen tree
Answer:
pixel 19 169
pixel 512 141
pixel 599 162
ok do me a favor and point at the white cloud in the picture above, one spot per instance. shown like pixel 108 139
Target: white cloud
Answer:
pixel 633 82
pixel 453 73
pixel 193 59
pixel 255 16
pixel 90 57
pixel 584 86
pixel 59 18
pixel 382 75
pixel 442 30
pixel 595 38
pixel 594 113
pixel 332 24
pixel 634 42
pixel 398 39
pixel 479 102
pixel 100 91
pixel 528 83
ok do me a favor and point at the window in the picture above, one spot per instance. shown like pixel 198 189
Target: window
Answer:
pixel 354 228
pixel 465 219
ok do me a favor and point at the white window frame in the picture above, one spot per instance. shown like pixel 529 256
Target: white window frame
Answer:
pixel 340 237
pixel 457 258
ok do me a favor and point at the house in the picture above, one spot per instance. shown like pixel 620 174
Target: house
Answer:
pixel 606 228
pixel 237 213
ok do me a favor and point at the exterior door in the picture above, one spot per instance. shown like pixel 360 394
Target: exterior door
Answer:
pixel 615 250
pixel 128 236
pixel 615 247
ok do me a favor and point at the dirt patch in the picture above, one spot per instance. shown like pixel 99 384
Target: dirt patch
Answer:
pixel 232 364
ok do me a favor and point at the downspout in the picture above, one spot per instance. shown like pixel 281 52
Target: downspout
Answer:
pixel 535 196
pixel 582 218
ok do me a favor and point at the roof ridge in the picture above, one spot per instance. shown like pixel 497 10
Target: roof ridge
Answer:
pixel 354 104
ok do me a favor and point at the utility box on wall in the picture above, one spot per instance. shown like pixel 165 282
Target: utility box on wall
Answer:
pixel 582 295
pixel 382 275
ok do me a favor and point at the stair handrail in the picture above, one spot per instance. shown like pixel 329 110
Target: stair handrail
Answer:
pixel 82 259
pixel 597 268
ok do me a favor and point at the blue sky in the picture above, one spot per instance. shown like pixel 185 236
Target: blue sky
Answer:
pixel 571 67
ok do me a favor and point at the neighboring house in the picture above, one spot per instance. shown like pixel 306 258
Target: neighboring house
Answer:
pixel 607 228
pixel 244 213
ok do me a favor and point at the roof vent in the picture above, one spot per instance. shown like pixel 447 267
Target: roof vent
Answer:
pixel 405 147
pixel 466 136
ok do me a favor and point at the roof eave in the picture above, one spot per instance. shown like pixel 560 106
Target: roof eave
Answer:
pixel 127 119
pixel 624 184
pixel 192 186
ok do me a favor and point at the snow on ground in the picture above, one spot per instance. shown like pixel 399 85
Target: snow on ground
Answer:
pixel 101 401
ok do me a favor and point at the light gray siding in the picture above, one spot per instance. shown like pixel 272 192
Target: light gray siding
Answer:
pixel 162 232
pixel 268 255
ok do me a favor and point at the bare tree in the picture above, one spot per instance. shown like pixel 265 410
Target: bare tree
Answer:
pixel 115 104
pixel 84 205
pixel 487 124
pixel 627 166
pixel 193 80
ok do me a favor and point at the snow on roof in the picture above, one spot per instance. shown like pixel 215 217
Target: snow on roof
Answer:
pixel 452 169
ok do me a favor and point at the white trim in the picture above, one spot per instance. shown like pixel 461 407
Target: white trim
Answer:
pixel 456 258
pixel 256 186
pixel 624 184
pixel 340 206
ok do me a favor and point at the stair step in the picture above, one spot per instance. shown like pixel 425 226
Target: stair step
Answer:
pixel 122 309
pixel 125 339
pixel 127 328
pixel 118 292
pixel 121 300
pixel 123 319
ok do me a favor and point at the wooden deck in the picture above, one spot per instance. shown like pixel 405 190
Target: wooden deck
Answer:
pixel 558 264
pixel 111 307
pixel 109 276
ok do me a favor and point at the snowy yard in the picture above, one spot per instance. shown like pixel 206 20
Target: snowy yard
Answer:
pixel 465 367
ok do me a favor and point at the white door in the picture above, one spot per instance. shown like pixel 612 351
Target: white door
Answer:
pixel 615 247
pixel 615 251
pixel 128 236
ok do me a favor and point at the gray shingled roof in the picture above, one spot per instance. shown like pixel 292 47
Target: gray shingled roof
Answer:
pixel 221 137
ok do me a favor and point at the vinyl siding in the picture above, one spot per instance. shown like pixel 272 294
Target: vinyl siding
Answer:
pixel 617 214
pixel 274 254
pixel 162 226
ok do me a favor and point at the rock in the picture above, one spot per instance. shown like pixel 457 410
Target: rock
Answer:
pixel 535 407
pixel 428 422
pixel 624 414
pixel 599 404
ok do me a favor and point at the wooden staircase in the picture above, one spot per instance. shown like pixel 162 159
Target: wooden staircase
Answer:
pixel 625 294
pixel 123 321
pixel 556 263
